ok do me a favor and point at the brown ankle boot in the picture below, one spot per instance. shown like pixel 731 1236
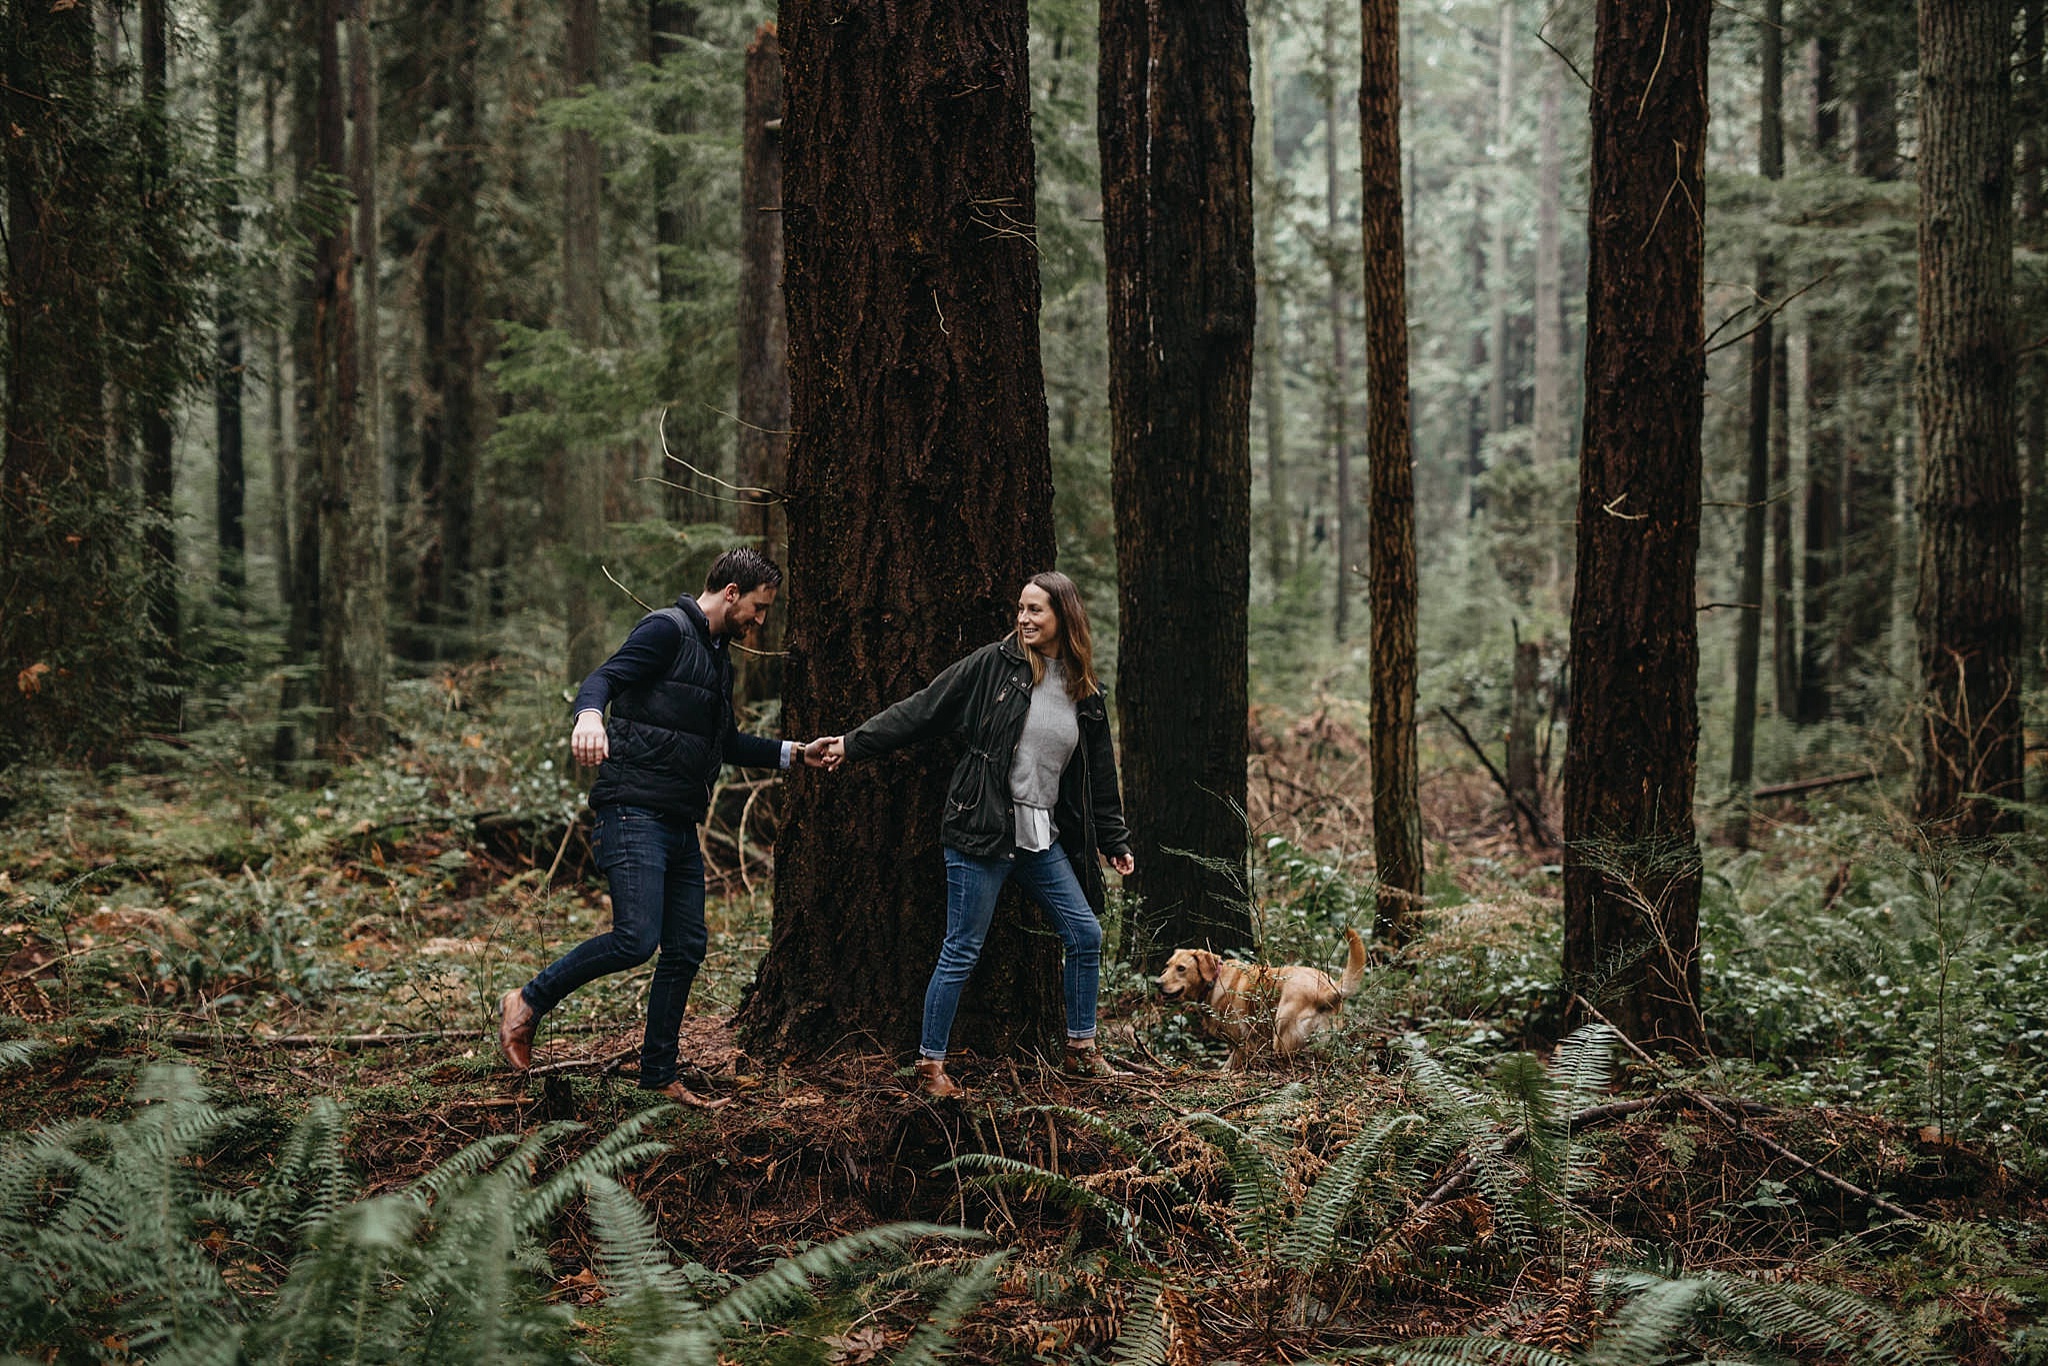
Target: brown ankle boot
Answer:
pixel 933 1081
pixel 1090 1064
pixel 515 1030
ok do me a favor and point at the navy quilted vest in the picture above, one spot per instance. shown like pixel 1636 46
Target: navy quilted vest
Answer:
pixel 668 737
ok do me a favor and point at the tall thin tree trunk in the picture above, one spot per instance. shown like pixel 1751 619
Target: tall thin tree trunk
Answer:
pixel 2034 400
pixel 228 485
pixel 1784 600
pixel 678 222
pixel 1632 865
pixel 1969 612
pixel 1396 807
pixel 1549 299
pixel 1521 765
pixel 763 336
pixel 158 390
pixel 1340 361
pixel 1271 327
pixel 275 386
pixel 1757 487
pixel 911 126
pixel 1822 508
pixel 583 475
pixel 314 63
pixel 1505 170
pixel 1174 102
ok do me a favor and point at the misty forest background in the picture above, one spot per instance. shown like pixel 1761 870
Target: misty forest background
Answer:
pixel 372 367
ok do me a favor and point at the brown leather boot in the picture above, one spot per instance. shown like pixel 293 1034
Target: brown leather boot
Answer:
pixel 516 1021
pixel 933 1081
pixel 1089 1064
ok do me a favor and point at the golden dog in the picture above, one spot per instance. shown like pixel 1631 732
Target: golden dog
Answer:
pixel 1237 997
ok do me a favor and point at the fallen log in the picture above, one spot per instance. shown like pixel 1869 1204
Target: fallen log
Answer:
pixel 1793 789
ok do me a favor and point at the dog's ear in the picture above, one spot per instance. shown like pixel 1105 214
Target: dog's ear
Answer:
pixel 1207 965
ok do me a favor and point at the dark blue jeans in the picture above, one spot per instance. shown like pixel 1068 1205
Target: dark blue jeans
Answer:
pixel 656 873
pixel 971 888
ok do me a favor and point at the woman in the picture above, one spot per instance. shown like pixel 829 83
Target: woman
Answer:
pixel 1035 799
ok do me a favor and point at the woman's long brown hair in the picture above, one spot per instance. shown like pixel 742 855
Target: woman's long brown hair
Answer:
pixel 1077 643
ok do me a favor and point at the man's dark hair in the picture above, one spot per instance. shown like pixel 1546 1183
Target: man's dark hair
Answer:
pixel 745 568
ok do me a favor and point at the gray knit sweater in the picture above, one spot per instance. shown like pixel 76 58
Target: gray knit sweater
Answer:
pixel 1051 731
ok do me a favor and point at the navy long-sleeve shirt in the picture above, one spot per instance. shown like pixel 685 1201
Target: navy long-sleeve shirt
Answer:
pixel 647 655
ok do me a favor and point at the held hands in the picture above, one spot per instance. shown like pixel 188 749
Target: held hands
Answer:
pixel 1123 863
pixel 588 744
pixel 826 752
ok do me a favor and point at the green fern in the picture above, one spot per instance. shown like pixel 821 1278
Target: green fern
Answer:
pixel 1313 1233
pixel 1142 1341
pixel 16 1052
pixel 929 1343
pixel 993 1170
pixel 1258 1191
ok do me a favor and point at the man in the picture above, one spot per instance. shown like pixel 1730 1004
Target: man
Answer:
pixel 669 688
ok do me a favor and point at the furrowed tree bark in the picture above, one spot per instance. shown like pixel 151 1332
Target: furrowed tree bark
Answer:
pixel 2033 109
pixel 1969 609
pixel 352 666
pixel 1396 807
pixel 1757 485
pixel 1521 774
pixel 1632 865
pixel 1340 360
pixel 158 393
pixel 229 480
pixel 1174 102
pixel 581 476
pixel 763 455
pixel 920 485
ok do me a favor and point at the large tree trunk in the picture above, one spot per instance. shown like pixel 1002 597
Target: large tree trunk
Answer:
pixel 1271 329
pixel 1749 628
pixel 157 393
pixel 230 570
pixel 920 483
pixel 2034 404
pixel 1176 135
pixel 581 477
pixel 352 656
pixel 1632 866
pixel 1340 361
pixel 450 315
pixel 1396 807
pixel 763 337
pixel 1969 612
pixel 66 534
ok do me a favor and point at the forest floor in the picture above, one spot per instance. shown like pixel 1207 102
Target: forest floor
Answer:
pixel 349 939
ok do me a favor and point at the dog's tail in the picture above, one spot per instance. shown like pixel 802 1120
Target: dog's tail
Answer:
pixel 1354 968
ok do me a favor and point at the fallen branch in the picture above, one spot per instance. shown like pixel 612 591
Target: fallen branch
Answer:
pixel 608 1063
pixel 1537 825
pixel 1764 1141
pixel 1815 784
pixel 199 1038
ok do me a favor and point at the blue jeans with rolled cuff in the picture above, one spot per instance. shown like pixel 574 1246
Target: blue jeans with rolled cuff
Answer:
pixel 972 885
pixel 656 873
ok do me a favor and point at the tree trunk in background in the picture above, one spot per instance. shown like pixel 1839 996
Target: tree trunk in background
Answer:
pixel 1340 361
pixel 907 212
pixel 275 387
pixel 450 316
pixel 582 476
pixel 1821 560
pixel 1757 487
pixel 1632 866
pixel 1504 175
pixel 312 86
pixel 2034 404
pixel 1396 807
pixel 1784 603
pixel 763 340
pixel 351 468
pixel 1174 102
pixel 1270 331
pixel 158 395
pixel 230 571
pixel 690 428
pixel 1969 611
pixel 1549 300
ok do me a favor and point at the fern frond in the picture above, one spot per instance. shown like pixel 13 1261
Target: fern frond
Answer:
pixel 615 1152
pixel 991 1169
pixel 1648 1327
pixel 1258 1191
pixel 935 1334
pixel 310 1172
pixel 464 1164
pixel 1115 1135
pixel 1819 1316
pixel 631 1255
pixel 787 1284
pixel 1453 1351
pixel 1314 1230
pixel 17 1052
pixel 1583 1065
pixel 1142 1341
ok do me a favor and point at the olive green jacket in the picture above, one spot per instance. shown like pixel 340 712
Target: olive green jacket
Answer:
pixel 983 699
